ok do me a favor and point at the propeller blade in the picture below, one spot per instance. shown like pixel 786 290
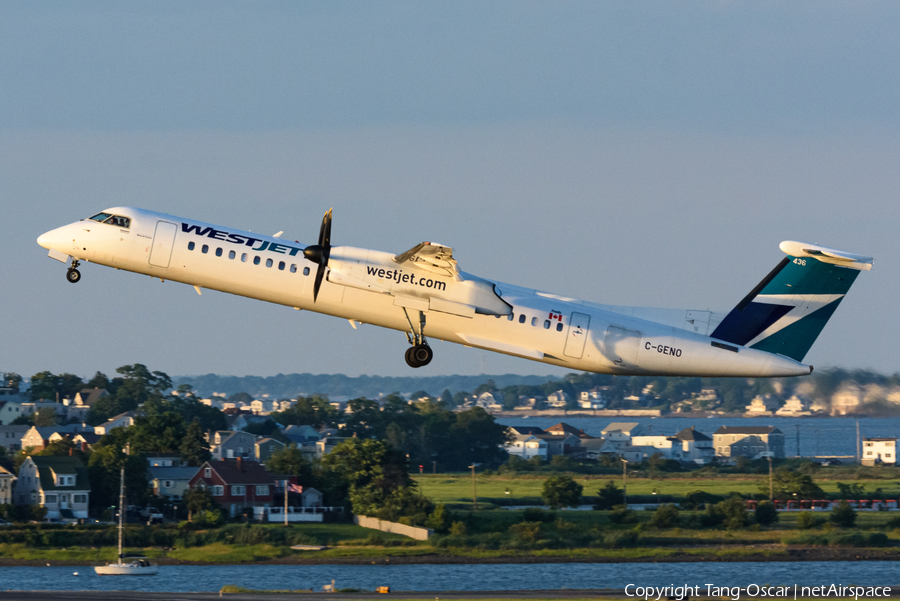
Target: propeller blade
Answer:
pixel 320 273
pixel 320 252
pixel 325 231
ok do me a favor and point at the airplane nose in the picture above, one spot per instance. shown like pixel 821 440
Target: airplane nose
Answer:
pixel 52 238
pixel 45 240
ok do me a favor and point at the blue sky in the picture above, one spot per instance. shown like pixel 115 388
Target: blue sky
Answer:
pixel 634 153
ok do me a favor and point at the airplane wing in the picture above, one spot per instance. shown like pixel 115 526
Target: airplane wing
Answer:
pixel 432 257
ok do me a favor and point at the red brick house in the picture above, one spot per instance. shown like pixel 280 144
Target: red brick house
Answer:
pixel 236 484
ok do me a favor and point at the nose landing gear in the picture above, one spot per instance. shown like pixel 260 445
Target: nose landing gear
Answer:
pixel 72 274
pixel 419 354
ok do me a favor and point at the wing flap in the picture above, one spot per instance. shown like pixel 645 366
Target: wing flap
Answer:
pixel 433 257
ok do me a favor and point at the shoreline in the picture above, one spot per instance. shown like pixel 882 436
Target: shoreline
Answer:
pixel 705 555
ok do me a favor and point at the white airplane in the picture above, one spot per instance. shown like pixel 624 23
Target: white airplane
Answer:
pixel 422 290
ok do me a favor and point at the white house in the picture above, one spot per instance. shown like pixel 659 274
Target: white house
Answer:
pixel 667 446
pixel 618 434
pixel 122 420
pixel 695 446
pixel 558 399
pixel 58 483
pixel 526 446
pixel 6 486
pixel 763 405
pixel 795 406
pixel 879 450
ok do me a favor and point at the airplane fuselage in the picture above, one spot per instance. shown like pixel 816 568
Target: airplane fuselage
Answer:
pixel 369 287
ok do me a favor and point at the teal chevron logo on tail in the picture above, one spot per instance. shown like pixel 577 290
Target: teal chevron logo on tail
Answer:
pixel 787 310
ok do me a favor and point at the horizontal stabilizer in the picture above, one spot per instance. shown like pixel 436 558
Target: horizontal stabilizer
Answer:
pixel 826 255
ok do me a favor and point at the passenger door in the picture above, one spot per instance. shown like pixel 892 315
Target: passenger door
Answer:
pixel 579 325
pixel 163 241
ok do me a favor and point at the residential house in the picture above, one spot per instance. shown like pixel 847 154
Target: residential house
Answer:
pixel 171 481
pixel 879 450
pixel 796 406
pixel 762 405
pixel 590 447
pixel 301 435
pixel 227 444
pixel 235 421
pixel 561 444
pixel 9 411
pixel 310 497
pixel 748 441
pixel 526 446
pixel 123 420
pixel 488 402
pixel 236 484
pixel 79 407
pixel 58 483
pixel 618 434
pixel 11 436
pixel 165 460
pixel 33 407
pixel 327 444
pixel 695 446
pixel 264 448
pixel 86 440
pixel 667 446
pixel 6 486
pixel 558 399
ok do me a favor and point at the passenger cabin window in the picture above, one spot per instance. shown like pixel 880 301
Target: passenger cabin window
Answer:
pixel 116 220
pixel 306 271
pixel 205 249
pixel 546 324
pixel 218 252
pixel 534 321
pixel 269 262
pixel 190 246
pixel 256 260
pixel 522 318
pixel 293 268
pixel 231 254
pixel 281 265
pixel 559 327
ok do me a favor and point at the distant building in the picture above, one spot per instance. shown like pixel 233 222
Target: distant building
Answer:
pixel 226 444
pixel 264 448
pixel 526 446
pixel 695 446
pixel 796 406
pixel 558 399
pixel 879 450
pixel 618 434
pixel 171 481
pixel 236 484
pixel 6 486
pixel 9 411
pixel 58 483
pixel 763 405
pixel 748 441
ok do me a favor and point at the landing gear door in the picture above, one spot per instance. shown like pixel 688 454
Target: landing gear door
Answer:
pixel 621 346
pixel 579 324
pixel 163 241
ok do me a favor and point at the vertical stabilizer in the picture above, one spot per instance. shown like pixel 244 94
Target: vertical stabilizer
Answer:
pixel 785 312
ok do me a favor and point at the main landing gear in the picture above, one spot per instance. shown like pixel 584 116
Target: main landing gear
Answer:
pixel 419 354
pixel 72 274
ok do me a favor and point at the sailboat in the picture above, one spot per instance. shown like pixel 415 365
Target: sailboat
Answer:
pixel 127 565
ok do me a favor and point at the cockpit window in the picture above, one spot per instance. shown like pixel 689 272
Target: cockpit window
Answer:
pixel 116 220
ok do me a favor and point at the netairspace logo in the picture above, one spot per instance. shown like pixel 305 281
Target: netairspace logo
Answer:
pixel 735 593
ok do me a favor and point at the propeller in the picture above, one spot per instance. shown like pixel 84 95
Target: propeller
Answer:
pixel 319 253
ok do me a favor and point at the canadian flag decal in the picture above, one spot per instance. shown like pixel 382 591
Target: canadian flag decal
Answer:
pixel 556 315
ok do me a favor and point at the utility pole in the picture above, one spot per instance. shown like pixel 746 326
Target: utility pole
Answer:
pixel 474 489
pixel 798 440
pixel 857 443
pixel 625 482
pixel 771 484
pixel 285 502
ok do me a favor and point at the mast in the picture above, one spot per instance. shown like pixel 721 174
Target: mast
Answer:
pixel 122 499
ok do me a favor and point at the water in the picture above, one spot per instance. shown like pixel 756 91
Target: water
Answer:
pixel 185 579
pixel 818 436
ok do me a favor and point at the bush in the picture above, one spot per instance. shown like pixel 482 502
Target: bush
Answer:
pixel 622 515
pixel 527 532
pixel 561 491
pixel 843 515
pixel 666 516
pixel 698 498
pixel 620 539
pixel 458 529
pixel 766 514
pixel 536 514
pixel 807 520
pixel 609 496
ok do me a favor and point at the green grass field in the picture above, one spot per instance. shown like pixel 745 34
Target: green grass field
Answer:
pixel 456 489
